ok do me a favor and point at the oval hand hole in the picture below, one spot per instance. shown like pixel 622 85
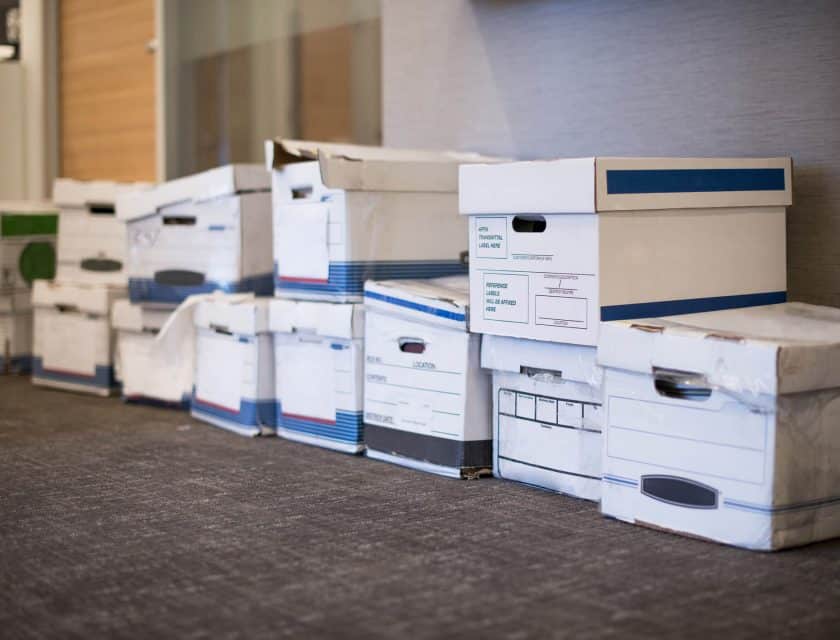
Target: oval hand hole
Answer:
pixel 100 209
pixel 179 220
pixel 528 224
pixel 301 193
pixel 412 345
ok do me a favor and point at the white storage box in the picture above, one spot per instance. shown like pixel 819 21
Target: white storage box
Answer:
pixel 206 232
pixel 558 246
pixel 27 249
pixel 91 241
pixel 73 340
pixel 318 352
pixel 344 214
pixel 148 369
pixel 427 403
pixel 15 341
pixel 234 372
pixel 725 425
pixel 547 414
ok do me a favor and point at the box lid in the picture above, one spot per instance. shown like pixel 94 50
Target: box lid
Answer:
pixel 134 317
pixel 535 358
pixel 442 301
pixel 774 349
pixel 72 296
pixel 368 168
pixel 593 185
pixel 325 319
pixel 233 313
pixel 215 183
pixel 84 194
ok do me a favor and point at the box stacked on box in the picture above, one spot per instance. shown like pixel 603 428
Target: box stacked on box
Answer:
pixel 344 214
pixel 557 247
pixel 427 403
pixel 27 253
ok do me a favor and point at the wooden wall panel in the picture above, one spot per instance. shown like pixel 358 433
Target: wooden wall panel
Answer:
pixel 107 89
pixel 542 78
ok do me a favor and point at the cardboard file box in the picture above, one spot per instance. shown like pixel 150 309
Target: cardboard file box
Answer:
pixel 206 232
pixel 27 249
pixel 73 340
pixel 344 214
pixel 149 370
pixel 91 241
pixel 15 340
pixel 558 246
pixel 234 372
pixel 427 403
pixel 547 414
pixel 724 425
pixel 318 352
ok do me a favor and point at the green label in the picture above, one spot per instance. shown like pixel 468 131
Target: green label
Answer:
pixel 37 262
pixel 26 224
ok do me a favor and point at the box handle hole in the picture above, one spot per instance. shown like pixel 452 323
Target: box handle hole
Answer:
pixel 528 224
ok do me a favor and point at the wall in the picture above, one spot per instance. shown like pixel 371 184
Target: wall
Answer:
pixel 542 78
pixel 12 156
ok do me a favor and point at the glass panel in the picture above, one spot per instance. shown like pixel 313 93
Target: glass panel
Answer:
pixel 242 71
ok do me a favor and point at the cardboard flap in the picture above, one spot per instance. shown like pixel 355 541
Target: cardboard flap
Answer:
pixel 369 168
pixel 325 319
pixel 240 313
pixel 81 194
pixel 638 184
pixel 517 355
pixel 200 187
pixel 443 301
pixel 783 348
pixel 84 298
pixel 133 317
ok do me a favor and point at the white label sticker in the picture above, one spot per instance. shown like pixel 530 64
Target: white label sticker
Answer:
pixel 506 297
pixel 491 238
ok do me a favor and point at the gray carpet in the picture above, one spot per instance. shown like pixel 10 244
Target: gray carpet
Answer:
pixel 126 521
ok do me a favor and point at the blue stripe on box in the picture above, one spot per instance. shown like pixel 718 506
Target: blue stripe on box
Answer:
pixel 627 181
pixel 147 290
pixel 441 313
pixel 348 278
pixel 772 509
pixel 689 305
pixel 102 378
pixel 252 413
pixel 348 426
pixel 16 364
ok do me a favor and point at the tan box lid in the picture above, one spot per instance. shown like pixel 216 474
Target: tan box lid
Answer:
pixel 370 168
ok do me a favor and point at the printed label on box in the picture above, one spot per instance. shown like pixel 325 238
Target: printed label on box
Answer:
pixel 506 297
pixel 492 237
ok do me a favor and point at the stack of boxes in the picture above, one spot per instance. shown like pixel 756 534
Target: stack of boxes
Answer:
pixel 344 214
pixel 187 238
pixel 558 247
pixel 27 253
pixel 73 337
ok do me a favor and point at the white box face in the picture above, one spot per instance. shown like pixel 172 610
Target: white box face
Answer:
pixel 704 467
pixel 327 244
pixel 531 283
pixel 234 379
pixel 143 376
pixel 318 386
pixel 72 349
pixel 12 249
pixel 539 434
pixel 91 247
pixel 425 393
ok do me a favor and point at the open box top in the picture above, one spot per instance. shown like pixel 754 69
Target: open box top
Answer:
pixel 593 185
pixel 773 349
pixel 241 314
pixel 324 319
pixel 207 185
pixel 536 358
pixel 443 301
pixel 134 317
pixel 94 299
pixel 369 168
pixel 96 196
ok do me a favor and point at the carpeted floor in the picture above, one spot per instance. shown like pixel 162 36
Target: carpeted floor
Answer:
pixel 127 521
